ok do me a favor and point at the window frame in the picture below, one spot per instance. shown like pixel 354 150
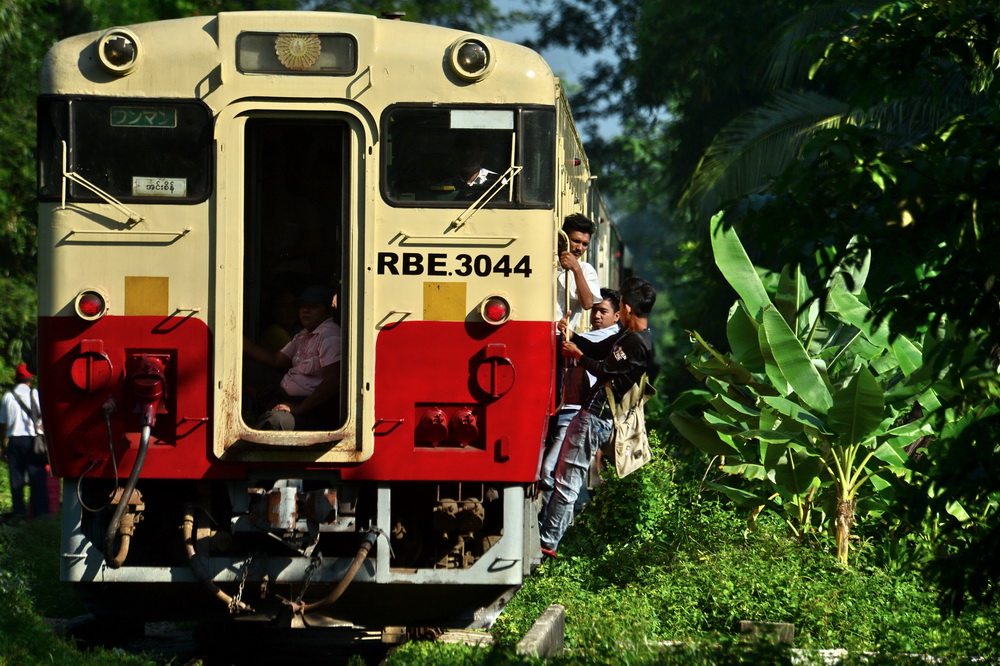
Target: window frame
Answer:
pixel 78 194
pixel 502 203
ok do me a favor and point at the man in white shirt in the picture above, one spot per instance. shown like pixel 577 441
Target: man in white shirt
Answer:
pixel 584 284
pixel 17 434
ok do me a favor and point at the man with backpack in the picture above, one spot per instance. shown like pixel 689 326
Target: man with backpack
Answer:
pixel 619 362
pixel 19 423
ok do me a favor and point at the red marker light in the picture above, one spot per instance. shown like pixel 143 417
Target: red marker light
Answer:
pixel 91 305
pixel 495 310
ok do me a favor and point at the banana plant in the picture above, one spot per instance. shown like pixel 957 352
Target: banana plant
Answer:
pixel 813 404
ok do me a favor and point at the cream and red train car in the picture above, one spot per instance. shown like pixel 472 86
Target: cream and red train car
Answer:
pixel 194 175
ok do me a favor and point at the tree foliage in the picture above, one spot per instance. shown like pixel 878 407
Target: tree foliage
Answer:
pixel 883 130
pixel 920 197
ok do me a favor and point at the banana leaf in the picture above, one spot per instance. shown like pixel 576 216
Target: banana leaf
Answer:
pixel 853 272
pixel 794 362
pixel 857 408
pixel 703 437
pixel 744 497
pixel 741 332
pixel 736 266
pixel 792 439
pixel 847 307
pixel 908 354
pixel 793 293
pixel 892 452
pixel 751 471
pixel 771 368
pixel 734 409
pixel 718 423
pixel 795 470
pixel 691 398
pixel 794 411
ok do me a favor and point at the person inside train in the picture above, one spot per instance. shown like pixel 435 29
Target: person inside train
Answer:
pixel 619 362
pixel 581 277
pixel 283 318
pixel 468 178
pixel 603 324
pixel 307 397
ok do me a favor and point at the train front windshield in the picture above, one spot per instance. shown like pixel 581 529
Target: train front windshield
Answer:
pixel 133 150
pixel 452 157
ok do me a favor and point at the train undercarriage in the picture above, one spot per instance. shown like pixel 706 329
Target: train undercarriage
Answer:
pixel 305 551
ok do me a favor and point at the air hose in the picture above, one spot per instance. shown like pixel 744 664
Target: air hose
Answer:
pixel 116 520
pixel 352 571
pixel 187 529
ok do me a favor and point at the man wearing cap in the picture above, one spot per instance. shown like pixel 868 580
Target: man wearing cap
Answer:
pixel 17 434
pixel 307 396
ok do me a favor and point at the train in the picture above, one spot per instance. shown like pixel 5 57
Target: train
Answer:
pixel 195 175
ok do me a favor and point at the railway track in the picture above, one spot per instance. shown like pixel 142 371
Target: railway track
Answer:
pixel 244 644
pixel 226 645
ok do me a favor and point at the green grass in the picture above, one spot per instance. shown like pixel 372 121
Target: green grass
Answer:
pixel 30 590
pixel 5 504
pixel 654 572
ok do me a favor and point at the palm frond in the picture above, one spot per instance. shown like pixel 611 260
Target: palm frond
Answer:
pixel 792 55
pixel 759 145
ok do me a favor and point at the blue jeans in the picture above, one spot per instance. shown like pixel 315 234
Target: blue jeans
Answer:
pixel 550 455
pixel 25 464
pixel 584 436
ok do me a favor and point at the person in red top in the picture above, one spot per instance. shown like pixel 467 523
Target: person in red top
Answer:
pixel 307 398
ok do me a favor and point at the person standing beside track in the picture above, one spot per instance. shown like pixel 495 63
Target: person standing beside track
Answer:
pixel 18 428
pixel 623 361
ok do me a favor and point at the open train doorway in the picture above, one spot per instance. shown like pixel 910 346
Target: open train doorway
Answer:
pixel 296 177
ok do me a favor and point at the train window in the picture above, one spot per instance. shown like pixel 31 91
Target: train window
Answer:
pixel 133 149
pixel 539 131
pixel 296 176
pixel 451 157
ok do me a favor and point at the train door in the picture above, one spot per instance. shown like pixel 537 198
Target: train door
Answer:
pixel 296 177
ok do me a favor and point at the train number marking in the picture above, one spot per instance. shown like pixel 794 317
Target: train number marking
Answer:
pixel 437 264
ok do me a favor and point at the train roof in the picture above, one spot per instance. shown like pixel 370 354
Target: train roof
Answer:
pixel 196 58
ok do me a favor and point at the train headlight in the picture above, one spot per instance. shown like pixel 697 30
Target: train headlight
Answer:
pixel 120 51
pixel 91 304
pixel 495 310
pixel 471 58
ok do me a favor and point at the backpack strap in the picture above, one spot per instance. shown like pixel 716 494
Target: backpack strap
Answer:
pixel 21 402
pixel 32 414
pixel 616 409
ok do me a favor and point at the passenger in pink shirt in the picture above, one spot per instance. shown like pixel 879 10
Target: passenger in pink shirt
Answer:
pixel 307 398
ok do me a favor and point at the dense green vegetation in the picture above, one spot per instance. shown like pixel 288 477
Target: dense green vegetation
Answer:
pixel 660 569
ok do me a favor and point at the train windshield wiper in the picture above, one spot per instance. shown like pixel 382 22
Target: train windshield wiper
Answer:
pixel 487 196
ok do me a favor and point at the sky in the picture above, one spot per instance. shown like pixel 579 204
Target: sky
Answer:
pixel 567 64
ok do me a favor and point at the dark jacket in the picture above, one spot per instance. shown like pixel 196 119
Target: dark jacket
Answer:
pixel 621 360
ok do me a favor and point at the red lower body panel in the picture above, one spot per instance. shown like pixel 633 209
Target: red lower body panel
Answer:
pixel 453 400
pixel 501 375
pixel 84 366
